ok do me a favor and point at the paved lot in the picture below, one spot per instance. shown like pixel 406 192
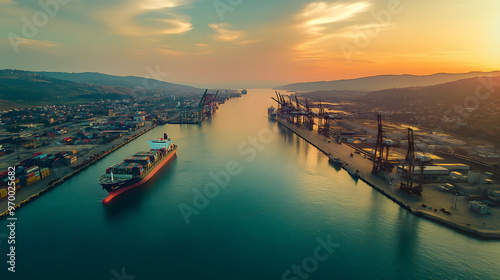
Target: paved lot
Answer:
pixel 431 197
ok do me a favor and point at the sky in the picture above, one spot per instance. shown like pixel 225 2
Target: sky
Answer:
pixel 200 42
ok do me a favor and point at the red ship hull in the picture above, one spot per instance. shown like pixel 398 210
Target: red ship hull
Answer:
pixel 157 168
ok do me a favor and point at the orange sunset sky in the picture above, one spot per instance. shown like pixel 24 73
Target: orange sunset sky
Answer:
pixel 203 42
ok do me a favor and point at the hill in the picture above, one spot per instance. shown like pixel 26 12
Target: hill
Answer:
pixel 429 96
pixel 131 82
pixel 24 88
pixel 381 82
pixel 27 88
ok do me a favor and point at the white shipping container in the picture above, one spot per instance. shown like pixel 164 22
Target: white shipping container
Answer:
pixel 433 170
pixel 455 166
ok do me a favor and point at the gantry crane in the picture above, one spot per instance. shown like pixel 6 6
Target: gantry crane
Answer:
pixel 323 121
pixel 309 117
pixel 209 103
pixel 408 169
pixel 381 153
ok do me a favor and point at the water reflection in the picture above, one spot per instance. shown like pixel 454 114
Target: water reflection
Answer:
pixel 407 245
pixel 132 199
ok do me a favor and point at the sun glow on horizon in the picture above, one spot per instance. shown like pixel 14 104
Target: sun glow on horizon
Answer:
pixel 289 40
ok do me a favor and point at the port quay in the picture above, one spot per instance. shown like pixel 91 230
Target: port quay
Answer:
pixel 287 208
pixel 361 168
pixel 59 181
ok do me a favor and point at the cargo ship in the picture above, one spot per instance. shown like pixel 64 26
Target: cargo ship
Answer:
pixel 137 169
pixel 271 113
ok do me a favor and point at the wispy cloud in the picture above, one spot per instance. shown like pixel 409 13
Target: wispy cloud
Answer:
pixel 202 49
pixel 317 14
pixel 196 49
pixel 223 32
pixel 168 51
pixel 35 43
pixel 319 24
pixel 147 17
pixel 246 42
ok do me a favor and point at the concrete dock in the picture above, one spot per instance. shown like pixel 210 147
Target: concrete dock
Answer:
pixel 461 218
pixel 29 193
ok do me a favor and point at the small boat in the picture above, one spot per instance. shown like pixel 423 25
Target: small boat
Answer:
pixel 335 160
pixel 354 174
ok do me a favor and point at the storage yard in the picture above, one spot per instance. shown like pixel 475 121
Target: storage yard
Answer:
pixel 420 173
pixel 40 172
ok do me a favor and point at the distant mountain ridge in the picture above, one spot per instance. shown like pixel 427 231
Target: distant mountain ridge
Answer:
pixel 242 84
pixel 132 82
pixel 432 96
pixel 381 82
pixel 25 88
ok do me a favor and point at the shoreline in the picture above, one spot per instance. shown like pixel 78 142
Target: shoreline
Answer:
pixel 53 184
pixel 464 229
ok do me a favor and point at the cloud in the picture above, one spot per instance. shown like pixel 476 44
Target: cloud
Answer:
pixel 319 23
pixel 202 49
pixel 161 4
pixel 196 49
pixel 223 33
pixel 246 42
pixel 35 43
pixel 318 14
pixel 166 50
pixel 147 17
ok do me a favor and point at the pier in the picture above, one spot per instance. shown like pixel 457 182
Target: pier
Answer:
pixel 106 150
pixel 461 218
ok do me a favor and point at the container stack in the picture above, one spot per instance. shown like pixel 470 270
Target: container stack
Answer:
pixel 143 160
pixel 70 159
pixel 3 192
pixel 130 168
pixel 45 172
pixel 153 155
